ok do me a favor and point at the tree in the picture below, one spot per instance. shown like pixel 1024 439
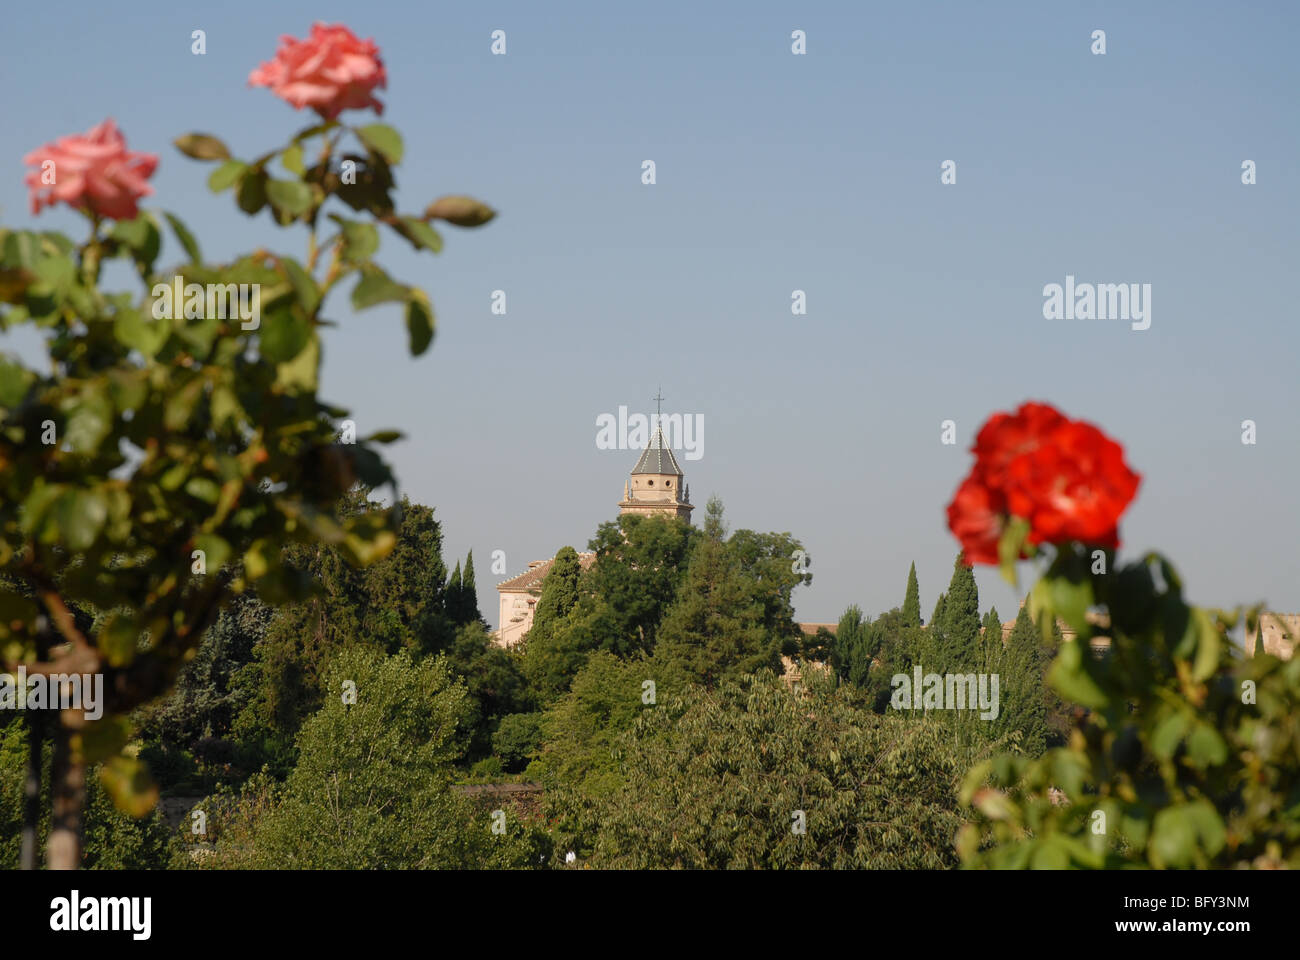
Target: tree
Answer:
pixel 1021 667
pixel 747 776
pixel 455 596
pixel 960 650
pixel 468 592
pixel 719 624
pixel 148 454
pixel 496 683
pixel 992 641
pixel 912 600
pixel 640 563
pixel 371 789
pixel 850 642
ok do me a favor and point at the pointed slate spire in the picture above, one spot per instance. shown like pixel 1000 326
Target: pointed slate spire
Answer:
pixel 658 457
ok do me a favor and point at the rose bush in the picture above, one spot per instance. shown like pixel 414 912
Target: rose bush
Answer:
pixel 1184 751
pixel 161 460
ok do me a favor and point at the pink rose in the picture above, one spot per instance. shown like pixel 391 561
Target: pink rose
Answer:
pixel 95 171
pixel 331 71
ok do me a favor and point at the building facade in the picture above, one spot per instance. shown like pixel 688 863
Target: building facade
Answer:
pixel 656 487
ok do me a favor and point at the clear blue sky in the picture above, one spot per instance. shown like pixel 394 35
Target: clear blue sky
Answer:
pixel 778 172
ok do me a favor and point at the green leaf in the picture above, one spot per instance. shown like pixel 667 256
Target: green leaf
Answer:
pixel 313 130
pixel 117 640
pixel 1010 546
pixel 1209 646
pixel 374 287
pixel 20 249
pixel 226 175
pixel 290 196
pixel 133 330
pixel 201 146
pixel 283 335
pixel 203 488
pixel 180 405
pixel 291 159
pixel 185 237
pixel 80 515
pixel 89 421
pixel 382 139
pixel 1071 600
pixel 14 381
pixel 1070 676
pixel 1206 747
pixel 302 373
pixel 420 234
pixel 419 322
pixel 216 551
pixel 126 781
pixel 360 240
pixel 1169 734
pixel 252 191
pixel 304 285
pixel 462 211
pixel 142 237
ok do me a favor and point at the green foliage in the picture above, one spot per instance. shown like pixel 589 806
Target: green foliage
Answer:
pixel 167 459
pixel 371 789
pixel 1021 667
pixel 495 679
pixel 552 654
pixel 849 649
pixel 912 600
pixel 959 649
pixel 732 614
pixel 640 564
pixel 716 779
pixel 1185 755
pixel 113 840
pixel 517 738
pixel 580 729
pixel 396 603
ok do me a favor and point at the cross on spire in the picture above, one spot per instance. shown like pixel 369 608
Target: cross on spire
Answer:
pixel 658 399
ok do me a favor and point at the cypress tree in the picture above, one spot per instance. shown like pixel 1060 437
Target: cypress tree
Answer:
pixel 468 592
pixel 960 651
pixel 850 639
pixel 912 600
pixel 992 637
pixel 1022 693
pixel 453 593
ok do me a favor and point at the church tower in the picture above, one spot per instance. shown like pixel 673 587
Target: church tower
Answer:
pixel 656 485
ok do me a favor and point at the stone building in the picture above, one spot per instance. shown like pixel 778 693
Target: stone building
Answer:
pixel 518 598
pixel 1279 632
pixel 656 487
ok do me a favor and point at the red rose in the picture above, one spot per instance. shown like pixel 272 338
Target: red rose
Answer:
pixel 93 170
pixel 1006 436
pixel 331 71
pixel 1066 478
pixel 976 517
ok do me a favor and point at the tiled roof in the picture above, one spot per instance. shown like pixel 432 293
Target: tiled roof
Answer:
pixel 658 457
pixel 811 628
pixel 531 579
